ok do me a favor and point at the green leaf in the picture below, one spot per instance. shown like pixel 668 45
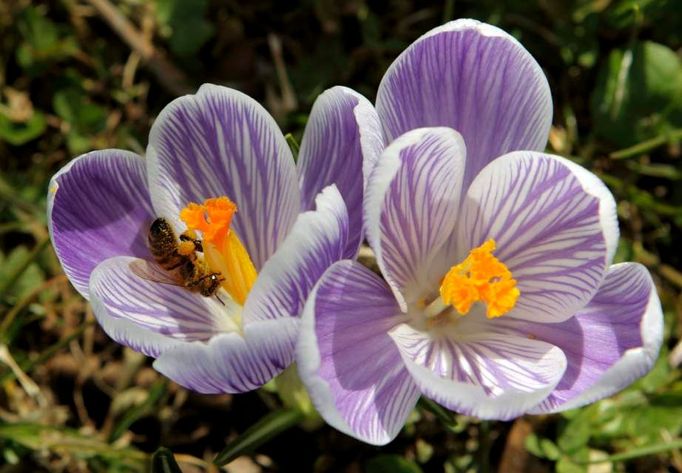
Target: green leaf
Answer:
pixel 43 41
pixel 576 433
pixel 550 449
pixel 185 26
pixel 566 465
pixel 37 29
pixel 542 447
pixel 532 444
pixel 391 463
pixel 84 117
pixel 163 461
pixel 73 106
pixel 268 427
pixel 19 133
pixel 638 94
pixel 18 271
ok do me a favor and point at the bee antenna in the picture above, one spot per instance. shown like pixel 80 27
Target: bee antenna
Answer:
pixel 219 299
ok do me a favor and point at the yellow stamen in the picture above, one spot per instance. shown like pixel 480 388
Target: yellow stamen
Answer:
pixel 223 251
pixel 480 277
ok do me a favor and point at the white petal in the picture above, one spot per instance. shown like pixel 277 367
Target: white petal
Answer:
pixel 341 142
pixel 351 368
pixel 411 206
pixel 222 142
pixel 610 343
pixel 138 311
pixel 230 362
pixel 480 372
pixel 98 206
pixel 472 77
pixel 317 239
pixel 555 227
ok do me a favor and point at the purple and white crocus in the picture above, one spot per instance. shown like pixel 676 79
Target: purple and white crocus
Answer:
pixel 291 223
pixel 498 295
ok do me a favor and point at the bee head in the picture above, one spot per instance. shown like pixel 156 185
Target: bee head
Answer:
pixel 211 284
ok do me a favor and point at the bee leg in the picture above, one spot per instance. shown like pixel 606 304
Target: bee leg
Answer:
pixel 219 299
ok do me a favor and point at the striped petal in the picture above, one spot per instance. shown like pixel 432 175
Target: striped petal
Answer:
pixel 351 368
pixel 222 142
pixel 98 206
pixel 480 370
pixel 342 128
pixel 610 343
pixel 138 306
pixel 472 77
pixel 318 239
pixel 411 206
pixel 555 226
pixel 230 362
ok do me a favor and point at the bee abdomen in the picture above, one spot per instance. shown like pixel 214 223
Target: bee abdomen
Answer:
pixel 170 262
pixel 189 273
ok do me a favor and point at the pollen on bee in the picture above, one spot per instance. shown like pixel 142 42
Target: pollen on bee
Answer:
pixel 480 277
pixel 186 248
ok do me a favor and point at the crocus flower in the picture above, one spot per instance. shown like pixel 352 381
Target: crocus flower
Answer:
pixel 218 169
pixel 498 295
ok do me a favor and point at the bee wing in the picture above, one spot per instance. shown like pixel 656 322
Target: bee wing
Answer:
pixel 153 272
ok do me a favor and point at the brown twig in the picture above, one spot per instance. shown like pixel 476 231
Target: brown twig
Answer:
pixel 169 76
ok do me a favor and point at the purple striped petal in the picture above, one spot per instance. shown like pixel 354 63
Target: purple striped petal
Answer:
pixel 411 206
pixel 472 77
pixel 98 206
pixel 342 128
pixel 137 310
pixel 222 142
pixel 555 226
pixel 610 343
pixel 479 370
pixel 317 239
pixel 351 368
pixel 230 363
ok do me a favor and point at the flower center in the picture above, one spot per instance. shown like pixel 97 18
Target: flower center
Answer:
pixel 480 277
pixel 224 253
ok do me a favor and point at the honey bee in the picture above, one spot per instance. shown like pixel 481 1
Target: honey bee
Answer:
pixel 178 257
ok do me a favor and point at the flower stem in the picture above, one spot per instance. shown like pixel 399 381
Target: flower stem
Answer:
pixel 484 446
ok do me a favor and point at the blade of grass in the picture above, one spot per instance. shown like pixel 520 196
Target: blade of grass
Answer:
pixel 635 453
pixel 28 365
pixel 157 390
pixel 163 461
pixel 266 428
pixel 648 145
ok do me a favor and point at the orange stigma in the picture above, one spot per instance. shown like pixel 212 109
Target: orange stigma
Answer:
pixel 212 219
pixel 223 251
pixel 480 277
